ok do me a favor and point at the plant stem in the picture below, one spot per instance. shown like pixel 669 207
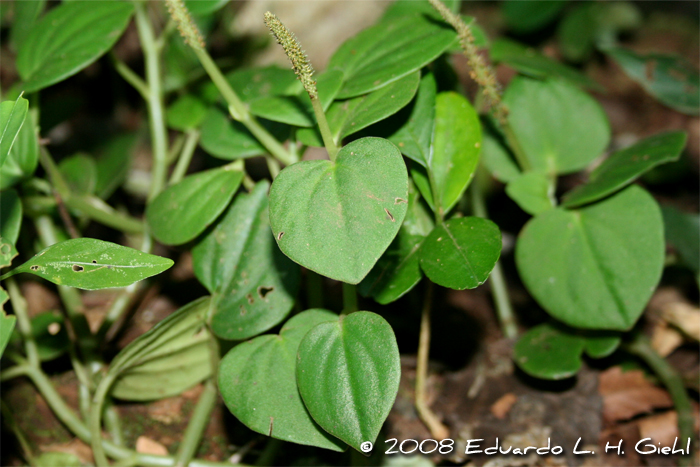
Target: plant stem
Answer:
pixel 349 299
pixel 95 425
pixel 130 77
pixel 515 146
pixel 97 210
pixel 156 114
pixel 272 448
pixel 113 424
pixel 641 347
pixel 272 166
pixel 24 324
pixel 183 162
pixel 197 424
pixel 325 129
pixel 9 419
pixel 499 289
pixel 437 429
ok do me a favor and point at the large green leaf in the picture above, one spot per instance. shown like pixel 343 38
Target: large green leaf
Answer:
pixel 623 167
pixel 90 264
pixel 546 118
pixel 24 16
pixel 532 191
pixel 10 216
pixel 461 252
pixel 182 211
pixel 12 116
pixel 253 284
pixel 24 155
pixel 69 38
pixel 348 374
pixel 257 380
pixel 170 358
pixel 553 351
pixel 252 84
pixel 389 51
pixel 683 232
pixel 525 16
pixel 338 218
pixel 594 268
pixel 669 78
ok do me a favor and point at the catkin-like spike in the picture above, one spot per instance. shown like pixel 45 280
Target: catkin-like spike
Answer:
pixel 187 27
pixel 300 62
pixel 481 72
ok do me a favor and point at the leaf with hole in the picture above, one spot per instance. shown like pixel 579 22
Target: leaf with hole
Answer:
pixel 338 218
pixel 388 51
pixel 12 117
pixel 69 38
pixel 7 252
pixel 258 383
pixel 595 267
pixel 186 113
pixel 546 119
pixel 348 374
pixel 183 210
pixel 80 172
pixel 461 252
pixel 91 264
pixel 623 167
pixel 532 191
pixel 24 155
pixel 10 216
pixel 253 285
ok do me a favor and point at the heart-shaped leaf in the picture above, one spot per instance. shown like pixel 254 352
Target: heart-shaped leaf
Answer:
pixel 253 284
pixel 623 167
pixel 257 380
pixel 91 264
pixel 10 216
pixel 532 191
pixel 69 38
pixel 546 118
pixel 348 374
pixel 182 211
pixel 596 267
pixel 186 113
pixel 389 51
pixel 12 116
pixel 338 218
pixel 24 155
pixel 461 252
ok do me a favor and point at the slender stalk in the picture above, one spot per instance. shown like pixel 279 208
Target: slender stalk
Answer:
pixel 113 424
pixel 156 113
pixel 183 162
pixel 349 299
pixel 641 347
pixel 437 429
pixel 272 448
pixel 95 425
pixel 197 424
pixel 175 148
pixel 130 77
pixel 97 210
pixel 9 419
pixel 24 324
pixel 325 129
pixel 515 146
pixel 272 166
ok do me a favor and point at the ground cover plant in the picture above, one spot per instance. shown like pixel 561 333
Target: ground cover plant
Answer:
pixel 299 270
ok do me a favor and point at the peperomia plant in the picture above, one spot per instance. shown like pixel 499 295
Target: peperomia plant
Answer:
pixel 386 207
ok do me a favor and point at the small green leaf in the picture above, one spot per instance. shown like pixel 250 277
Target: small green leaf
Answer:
pixel 7 324
pixel 683 232
pixel 24 155
pixel 532 191
pixel 80 172
pixel 596 267
pixel 526 16
pixel 7 252
pixel 338 218
pixel 12 116
pixel 546 118
pixel 258 383
pixel 253 284
pixel 69 38
pixel 170 358
pixel 389 51
pixel 113 164
pixel 182 211
pixel 670 79
pixel 252 84
pixel 348 374
pixel 186 113
pixel 623 167
pixel 497 159
pixel 204 7
pixel 10 216
pixel 50 334
pixel 90 264
pixel 461 252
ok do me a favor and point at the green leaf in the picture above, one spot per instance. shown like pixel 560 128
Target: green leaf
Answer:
pixel 348 374
pixel 113 164
pixel 80 172
pixel 497 159
pixel 670 79
pixel 186 113
pixel 530 62
pixel 7 324
pixel 532 191
pixel 204 7
pixel 338 218
pixel 546 118
pixel 25 15
pixel 7 252
pixel 91 264
pixel 10 216
pixel 526 16
pixel 400 8
pixel 596 267
pixel 461 252
pixel 253 284
pixel 552 351
pixel 350 116
pixel 252 84
pixel 12 116
pixel 683 232
pixel 24 155
pixel 170 358
pixel 389 51
pixel 623 167
pixel 53 458
pixel 182 211
pixel 257 380
pixel 69 38
pixel 50 334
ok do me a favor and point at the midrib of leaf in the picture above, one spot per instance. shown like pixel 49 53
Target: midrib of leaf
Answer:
pixel 459 249
pixel 346 369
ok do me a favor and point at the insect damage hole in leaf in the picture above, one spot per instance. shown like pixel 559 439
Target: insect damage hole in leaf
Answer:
pixel 78 268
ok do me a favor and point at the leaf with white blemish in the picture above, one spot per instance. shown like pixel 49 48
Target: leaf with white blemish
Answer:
pixel 90 264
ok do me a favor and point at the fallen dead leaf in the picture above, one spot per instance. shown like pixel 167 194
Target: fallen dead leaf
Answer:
pixel 628 394
pixel 665 339
pixel 148 446
pixel 662 428
pixel 502 406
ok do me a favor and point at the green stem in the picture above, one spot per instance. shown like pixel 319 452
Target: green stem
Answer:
pixel 499 288
pixel 197 424
pixel 156 113
pixel 641 347
pixel 515 146
pixel 272 448
pixel 325 129
pixel 183 162
pixel 349 299
pixel 95 425
pixel 97 210
pixel 9 419
pixel 24 324
pixel 130 77
pixel 272 166
pixel 113 424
